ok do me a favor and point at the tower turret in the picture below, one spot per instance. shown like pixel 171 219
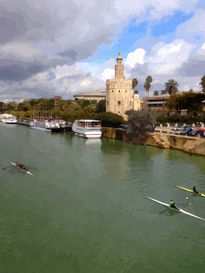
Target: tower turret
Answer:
pixel 119 68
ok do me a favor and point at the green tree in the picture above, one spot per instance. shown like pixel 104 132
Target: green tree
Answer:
pixel 171 87
pixel 156 93
pixel 110 119
pixel 147 84
pixel 202 83
pixel 190 101
pixel 134 83
pixel 101 106
pixel 175 103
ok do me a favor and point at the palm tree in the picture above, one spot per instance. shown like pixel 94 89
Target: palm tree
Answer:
pixel 171 87
pixel 134 83
pixel 147 84
pixel 202 83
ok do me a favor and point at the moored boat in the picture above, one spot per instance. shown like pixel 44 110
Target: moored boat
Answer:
pixel 48 125
pixel 8 119
pixel 87 128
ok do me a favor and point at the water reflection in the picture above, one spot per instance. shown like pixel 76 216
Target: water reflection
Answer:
pixel 97 142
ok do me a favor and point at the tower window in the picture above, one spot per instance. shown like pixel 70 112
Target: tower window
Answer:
pixel 118 112
pixel 119 91
pixel 112 91
pixel 119 102
pixel 125 91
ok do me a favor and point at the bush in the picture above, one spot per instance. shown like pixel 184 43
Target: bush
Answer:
pixel 110 119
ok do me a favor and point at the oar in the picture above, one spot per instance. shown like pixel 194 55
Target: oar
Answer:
pixel 163 211
pixel 6 168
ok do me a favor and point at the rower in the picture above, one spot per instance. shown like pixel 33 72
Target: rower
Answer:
pixel 172 204
pixel 194 190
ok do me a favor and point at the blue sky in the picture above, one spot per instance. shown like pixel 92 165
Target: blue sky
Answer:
pixel 71 46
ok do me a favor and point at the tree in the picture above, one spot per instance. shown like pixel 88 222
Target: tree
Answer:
pixel 202 83
pixel 101 106
pixel 134 83
pixel 147 84
pixel 171 87
pixel 156 93
pixel 110 119
pixel 175 102
pixel 140 123
pixel 190 101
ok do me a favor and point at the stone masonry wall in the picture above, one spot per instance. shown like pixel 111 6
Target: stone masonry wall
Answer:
pixel 193 145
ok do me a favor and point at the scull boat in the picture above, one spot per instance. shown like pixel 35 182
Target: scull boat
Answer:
pixel 189 190
pixel 21 169
pixel 177 210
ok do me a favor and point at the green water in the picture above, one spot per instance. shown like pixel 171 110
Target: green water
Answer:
pixel 84 209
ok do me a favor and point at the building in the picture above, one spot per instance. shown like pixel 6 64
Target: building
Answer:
pixel 137 102
pixel 56 98
pixel 119 92
pixel 157 102
pixel 91 96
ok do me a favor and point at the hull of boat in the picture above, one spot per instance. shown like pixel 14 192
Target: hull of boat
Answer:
pixel 189 190
pixel 41 129
pixel 87 135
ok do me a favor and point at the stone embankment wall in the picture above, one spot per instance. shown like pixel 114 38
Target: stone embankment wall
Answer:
pixel 194 145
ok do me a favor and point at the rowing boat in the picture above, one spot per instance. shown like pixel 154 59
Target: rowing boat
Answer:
pixel 177 210
pixel 189 190
pixel 23 170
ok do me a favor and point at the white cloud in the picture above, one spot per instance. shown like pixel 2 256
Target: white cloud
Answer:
pixel 85 82
pixel 108 73
pixel 135 57
pixel 166 58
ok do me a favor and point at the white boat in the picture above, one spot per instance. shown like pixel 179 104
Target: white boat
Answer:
pixel 47 125
pixel 21 169
pixel 87 128
pixel 8 118
pixel 177 210
pixel 11 121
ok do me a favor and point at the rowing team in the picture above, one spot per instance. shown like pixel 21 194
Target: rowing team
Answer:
pixel 21 166
pixel 172 204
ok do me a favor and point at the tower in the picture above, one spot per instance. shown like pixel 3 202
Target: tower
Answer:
pixel 119 93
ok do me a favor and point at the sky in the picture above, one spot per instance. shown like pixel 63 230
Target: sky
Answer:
pixel 66 47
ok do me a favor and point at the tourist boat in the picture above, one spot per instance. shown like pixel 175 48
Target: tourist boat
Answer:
pixel 8 119
pixel 48 125
pixel 24 170
pixel 11 121
pixel 177 210
pixel 87 128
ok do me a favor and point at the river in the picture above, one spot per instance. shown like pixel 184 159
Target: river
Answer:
pixel 84 209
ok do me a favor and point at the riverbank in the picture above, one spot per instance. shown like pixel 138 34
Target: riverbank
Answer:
pixel 192 145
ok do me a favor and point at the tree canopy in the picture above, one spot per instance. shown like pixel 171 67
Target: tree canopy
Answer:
pixel 202 83
pixel 190 101
pixel 171 86
pixel 147 84
pixel 134 83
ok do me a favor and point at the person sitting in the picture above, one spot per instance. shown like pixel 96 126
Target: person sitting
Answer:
pixel 194 190
pixel 172 204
